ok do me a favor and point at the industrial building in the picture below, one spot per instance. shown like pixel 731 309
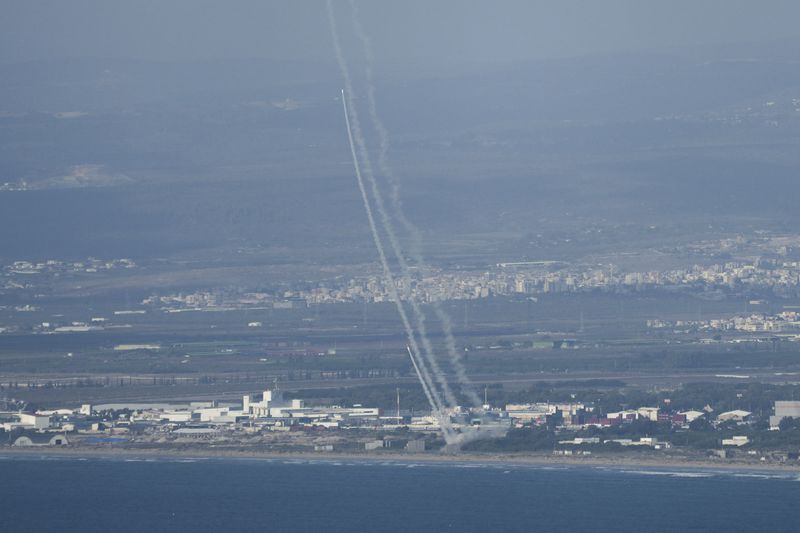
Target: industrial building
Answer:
pixel 784 409
pixel 11 421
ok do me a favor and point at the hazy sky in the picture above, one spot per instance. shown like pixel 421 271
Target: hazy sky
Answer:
pixel 410 31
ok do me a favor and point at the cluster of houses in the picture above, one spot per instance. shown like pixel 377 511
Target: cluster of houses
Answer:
pixel 582 416
pixel 785 321
pixel 577 416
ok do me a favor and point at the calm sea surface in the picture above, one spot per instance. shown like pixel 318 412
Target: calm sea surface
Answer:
pixel 126 495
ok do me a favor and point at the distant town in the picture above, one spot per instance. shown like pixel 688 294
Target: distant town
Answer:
pixel 767 264
pixel 524 278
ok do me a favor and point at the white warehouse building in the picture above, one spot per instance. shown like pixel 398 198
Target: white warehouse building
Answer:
pixel 272 405
pixel 784 409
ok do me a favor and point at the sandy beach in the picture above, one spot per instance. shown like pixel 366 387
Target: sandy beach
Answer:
pixel 609 461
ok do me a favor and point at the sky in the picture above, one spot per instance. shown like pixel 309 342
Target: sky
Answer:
pixel 590 130
pixel 415 32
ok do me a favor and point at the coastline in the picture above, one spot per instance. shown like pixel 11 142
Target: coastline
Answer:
pixel 532 460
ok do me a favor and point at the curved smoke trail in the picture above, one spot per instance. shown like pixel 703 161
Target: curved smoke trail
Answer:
pixel 419 315
pixel 415 248
pixel 421 370
pixel 414 350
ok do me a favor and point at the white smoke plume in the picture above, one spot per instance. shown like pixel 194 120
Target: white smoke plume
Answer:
pixel 386 224
pixel 415 248
pixel 413 349
pixel 354 132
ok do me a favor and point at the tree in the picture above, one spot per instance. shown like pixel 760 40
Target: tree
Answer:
pixel 789 424
pixel 701 424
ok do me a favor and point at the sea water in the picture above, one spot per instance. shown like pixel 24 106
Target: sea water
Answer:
pixel 201 495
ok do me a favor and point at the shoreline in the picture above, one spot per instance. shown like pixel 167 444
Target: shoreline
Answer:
pixel 539 460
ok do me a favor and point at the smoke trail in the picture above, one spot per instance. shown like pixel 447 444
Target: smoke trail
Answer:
pixel 413 349
pixel 419 315
pixel 424 384
pixel 386 222
pixel 415 247
pixel 436 403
